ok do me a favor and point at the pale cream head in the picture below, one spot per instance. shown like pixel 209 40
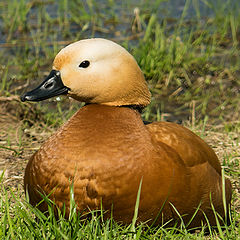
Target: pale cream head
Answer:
pixel 112 78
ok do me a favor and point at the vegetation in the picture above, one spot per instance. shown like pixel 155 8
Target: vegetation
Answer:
pixel 191 63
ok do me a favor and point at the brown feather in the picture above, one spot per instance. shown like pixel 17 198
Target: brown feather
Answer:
pixel 106 151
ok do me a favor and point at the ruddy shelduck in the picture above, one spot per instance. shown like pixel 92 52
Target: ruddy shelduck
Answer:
pixel 105 148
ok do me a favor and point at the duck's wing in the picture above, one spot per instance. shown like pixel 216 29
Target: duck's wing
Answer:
pixel 205 180
pixel 191 148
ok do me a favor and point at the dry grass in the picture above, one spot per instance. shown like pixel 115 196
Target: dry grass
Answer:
pixel 227 147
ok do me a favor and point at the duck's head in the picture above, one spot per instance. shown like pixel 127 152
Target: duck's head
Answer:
pixel 94 71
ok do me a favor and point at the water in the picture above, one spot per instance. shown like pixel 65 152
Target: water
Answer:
pixel 123 10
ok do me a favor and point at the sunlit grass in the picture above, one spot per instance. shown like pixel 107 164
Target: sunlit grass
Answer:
pixel 20 220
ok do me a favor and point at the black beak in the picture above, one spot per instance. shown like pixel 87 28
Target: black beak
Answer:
pixel 52 86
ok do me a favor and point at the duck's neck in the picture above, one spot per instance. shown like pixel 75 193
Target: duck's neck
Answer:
pixel 138 108
pixel 110 114
pixel 97 124
pixel 104 118
pixel 96 130
pixel 134 107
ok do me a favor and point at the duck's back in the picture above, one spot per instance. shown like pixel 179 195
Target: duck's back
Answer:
pixel 106 151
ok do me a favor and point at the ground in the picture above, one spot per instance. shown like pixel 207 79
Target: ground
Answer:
pixel 17 143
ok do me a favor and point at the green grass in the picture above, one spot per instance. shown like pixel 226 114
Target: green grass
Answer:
pixel 19 220
pixel 183 59
pixel 192 68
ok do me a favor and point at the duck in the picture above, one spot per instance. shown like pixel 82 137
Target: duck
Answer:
pixel 106 150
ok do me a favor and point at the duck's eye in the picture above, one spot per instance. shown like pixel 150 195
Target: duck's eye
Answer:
pixel 84 64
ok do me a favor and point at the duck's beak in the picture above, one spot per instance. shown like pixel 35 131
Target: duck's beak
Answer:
pixel 52 86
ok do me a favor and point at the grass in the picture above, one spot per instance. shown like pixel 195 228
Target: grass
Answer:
pixel 192 67
pixel 22 221
pixel 186 59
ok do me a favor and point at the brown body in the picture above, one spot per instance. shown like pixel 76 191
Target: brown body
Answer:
pixel 107 150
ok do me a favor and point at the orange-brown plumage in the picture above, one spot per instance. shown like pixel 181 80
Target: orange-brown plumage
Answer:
pixel 106 149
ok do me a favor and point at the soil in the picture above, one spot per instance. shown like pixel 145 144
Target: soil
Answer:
pixel 19 139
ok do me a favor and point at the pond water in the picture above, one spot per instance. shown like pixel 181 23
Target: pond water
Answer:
pixel 124 9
